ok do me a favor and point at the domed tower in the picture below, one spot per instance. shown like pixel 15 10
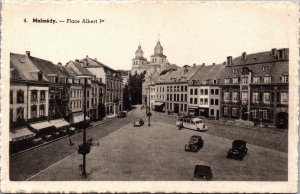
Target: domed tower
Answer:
pixel 158 57
pixel 138 61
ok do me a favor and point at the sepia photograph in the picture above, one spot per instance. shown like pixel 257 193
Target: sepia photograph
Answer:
pixel 158 96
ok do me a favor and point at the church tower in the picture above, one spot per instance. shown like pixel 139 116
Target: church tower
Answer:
pixel 158 57
pixel 138 61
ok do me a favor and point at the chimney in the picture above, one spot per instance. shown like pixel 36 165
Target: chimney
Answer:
pixel 224 63
pixel 274 52
pixel 77 60
pixel 28 53
pixel 203 64
pixel 213 64
pixel 194 65
pixel 86 56
pixel 244 55
pixel 229 60
pixel 59 63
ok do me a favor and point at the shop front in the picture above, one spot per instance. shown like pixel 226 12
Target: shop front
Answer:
pixel 20 138
pixel 78 120
pixel 159 106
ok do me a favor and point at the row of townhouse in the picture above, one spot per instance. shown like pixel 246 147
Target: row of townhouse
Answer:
pixel 47 97
pixel 252 87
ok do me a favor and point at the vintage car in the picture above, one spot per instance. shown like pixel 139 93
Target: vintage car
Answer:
pixel 138 123
pixel 63 132
pixel 195 144
pixel 190 122
pixel 122 114
pixel 71 130
pixel 238 151
pixel 56 134
pixel 37 141
pixel 48 137
pixel 203 172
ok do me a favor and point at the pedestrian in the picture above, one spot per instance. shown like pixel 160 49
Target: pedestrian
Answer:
pixel 70 141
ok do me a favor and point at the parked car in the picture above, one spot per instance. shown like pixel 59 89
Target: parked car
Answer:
pixel 203 172
pixel 55 134
pixel 37 141
pixel 71 130
pixel 195 144
pixel 238 151
pixel 63 132
pixel 122 114
pixel 138 123
pixel 48 137
pixel 191 122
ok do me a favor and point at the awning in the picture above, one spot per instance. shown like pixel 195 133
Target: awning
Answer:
pixel 41 125
pixel 58 123
pixel 20 134
pixel 158 103
pixel 79 118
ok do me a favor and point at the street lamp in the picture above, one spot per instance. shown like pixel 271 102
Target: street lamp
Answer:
pixel 85 147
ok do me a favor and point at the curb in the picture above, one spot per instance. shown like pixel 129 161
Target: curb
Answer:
pixel 54 140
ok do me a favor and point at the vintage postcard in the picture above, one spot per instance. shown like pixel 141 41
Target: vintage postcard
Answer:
pixel 149 96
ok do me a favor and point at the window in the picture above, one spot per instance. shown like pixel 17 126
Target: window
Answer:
pixel 265 68
pixel 201 101
pixel 168 88
pixel 215 81
pixel 191 100
pixel 211 101
pixel 185 107
pixel 11 115
pixel 212 91
pixel 195 101
pixel 40 76
pixel 254 114
pixel 256 79
pixel 217 92
pixel 266 97
pixel 285 78
pixel 20 96
pixel 171 88
pixel 34 95
pixel 265 114
pixel 233 112
pixel 42 92
pixel 191 91
pixel 227 80
pixel 235 80
pixel 196 91
pixel 284 97
pixel 216 101
pixel 212 112
pixel 226 96
pixel 33 111
pixel 225 111
pixel 244 97
pixel 201 92
pixel 42 110
pixel 170 97
pixel 178 97
pixel 182 97
pixel 175 97
pixel 267 79
pixel 205 101
pixel 167 96
pixel 255 97
pixel 185 97
pixel 234 96
pixel 206 91
pixel 182 88
pixel 20 113
pixel 244 80
pixel 11 97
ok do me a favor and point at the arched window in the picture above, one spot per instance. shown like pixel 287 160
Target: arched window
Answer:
pixel 267 79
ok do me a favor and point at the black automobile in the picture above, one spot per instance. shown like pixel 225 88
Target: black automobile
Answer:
pixel 122 114
pixel 195 144
pixel 238 151
pixel 203 172
pixel 138 123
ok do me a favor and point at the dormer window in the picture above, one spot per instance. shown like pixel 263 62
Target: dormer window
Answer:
pixel 267 79
pixel 256 79
pixel 265 68
pixel 285 78
pixel 215 81
pixel 40 76
pixel 233 70
pixel 227 80
pixel 235 80
pixel 281 54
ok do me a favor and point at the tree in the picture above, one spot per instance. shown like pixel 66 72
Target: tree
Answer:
pixel 101 110
pixel 136 87
pixel 126 98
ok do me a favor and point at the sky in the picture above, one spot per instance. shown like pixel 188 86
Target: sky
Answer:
pixel 189 32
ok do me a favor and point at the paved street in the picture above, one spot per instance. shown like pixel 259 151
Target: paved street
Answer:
pixel 156 153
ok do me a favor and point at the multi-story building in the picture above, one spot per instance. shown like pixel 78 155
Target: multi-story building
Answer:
pixel 255 88
pixel 204 91
pixel 113 81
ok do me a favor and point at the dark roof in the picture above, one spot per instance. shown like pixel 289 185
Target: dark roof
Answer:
pixel 207 74
pixel 158 55
pixel 140 58
pixel 26 69
pixel 260 57
pixel 78 69
pixel 67 71
pixel 89 62
pixel 46 66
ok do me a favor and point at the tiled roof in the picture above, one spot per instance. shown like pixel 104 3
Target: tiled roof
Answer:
pixel 25 67
pixel 207 74
pixel 78 69
pixel 89 62
pixel 260 57
pixel 47 67
pixel 67 71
